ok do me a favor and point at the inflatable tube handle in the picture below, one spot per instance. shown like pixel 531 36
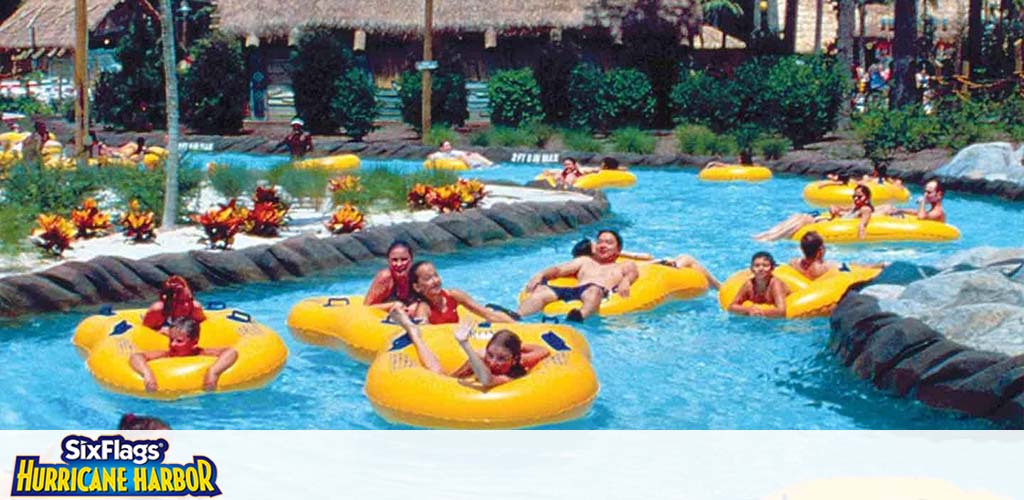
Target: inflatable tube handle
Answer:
pixel 484 324
pixel 556 342
pixel 106 310
pixel 343 300
pixel 401 342
pixel 215 305
pixel 549 319
pixel 120 328
pixel 388 321
pixel 239 316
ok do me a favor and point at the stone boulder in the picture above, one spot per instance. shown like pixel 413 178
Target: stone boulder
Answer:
pixel 972 287
pixel 995 161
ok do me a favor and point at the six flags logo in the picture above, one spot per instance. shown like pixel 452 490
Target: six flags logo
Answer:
pixel 113 466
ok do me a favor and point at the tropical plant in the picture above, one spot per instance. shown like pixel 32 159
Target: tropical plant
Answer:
pixel 215 88
pixel 347 219
pixel 89 220
pixel 54 234
pixel 221 224
pixel 633 140
pixel 449 97
pixel 139 225
pixel 514 98
pixel 268 212
pixel 319 60
pixel 134 97
pixel 231 181
pixel 355 103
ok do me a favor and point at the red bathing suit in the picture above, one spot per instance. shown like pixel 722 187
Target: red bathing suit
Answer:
pixel 449 315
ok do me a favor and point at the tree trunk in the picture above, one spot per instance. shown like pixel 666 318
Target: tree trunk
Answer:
pixel 789 35
pixel 819 9
pixel 844 32
pixel 904 91
pixel 862 58
pixel 974 33
pixel 171 92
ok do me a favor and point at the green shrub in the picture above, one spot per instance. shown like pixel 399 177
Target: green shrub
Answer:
pixel 433 177
pixel 16 224
pixel 512 137
pixel 39 189
pixel 723 145
pixel 807 93
pixel 317 63
pixel 542 133
pixel 586 87
pixel 882 131
pixel 448 101
pixel 215 89
pixel 773 147
pixel 147 186
pixel 303 183
pixel 438 135
pixel 29 106
pixel 746 136
pixel 695 139
pixel 633 140
pixel 232 181
pixel 968 122
pixel 581 141
pixel 355 103
pixel 514 98
pixel 699 99
pixel 629 99
pixel 480 138
pixel 133 98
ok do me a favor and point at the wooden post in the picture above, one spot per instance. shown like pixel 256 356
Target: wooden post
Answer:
pixel 428 55
pixel 1017 53
pixel 170 216
pixel 81 76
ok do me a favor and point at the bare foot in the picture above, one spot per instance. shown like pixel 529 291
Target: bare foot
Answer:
pixel 150 383
pixel 209 383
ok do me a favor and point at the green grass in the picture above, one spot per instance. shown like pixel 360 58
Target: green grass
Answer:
pixel 439 134
pixel 384 190
pixel 15 225
pixel 232 180
pixel 581 141
pixel 633 140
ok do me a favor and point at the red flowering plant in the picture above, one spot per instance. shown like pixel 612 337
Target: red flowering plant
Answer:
pixel 54 234
pixel 223 223
pixel 418 197
pixel 268 213
pixel 346 219
pixel 471 191
pixel 138 225
pixel 344 183
pixel 89 220
pixel 445 199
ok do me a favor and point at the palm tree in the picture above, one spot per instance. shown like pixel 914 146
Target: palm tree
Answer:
pixel 171 92
pixel 789 35
pixel 904 91
pixel 819 8
pixel 975 32
pixel 715 8
pixel 844 34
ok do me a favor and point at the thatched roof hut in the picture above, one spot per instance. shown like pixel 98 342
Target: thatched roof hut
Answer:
pixel 275 18
pixel 50 24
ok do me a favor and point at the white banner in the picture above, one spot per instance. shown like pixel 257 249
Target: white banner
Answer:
pixel 691 465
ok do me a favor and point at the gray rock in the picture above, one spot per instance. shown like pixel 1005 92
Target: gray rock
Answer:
pixel 376 239
pixel 990 161
pixel 425 237
pixel 990 327
pixel 471 227
pixel 319 254
pixel 150 274
pixel 890 344
pixel 108 288
pixel 30 292
pixel 883 293
pixel 903 377
pixel 982 257
pixel 969 287
pixel 71 279
pixel 229 268
pixel 183 265
pixel 979 394
pixel 350 247
pixel 295 263
pixel 265 260
pixel 120 268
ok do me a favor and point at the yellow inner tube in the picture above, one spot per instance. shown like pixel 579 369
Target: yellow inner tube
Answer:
pixel 656 284
pixel 332 163
pixel 604 179
pixel 561 387
pixel 727 172
pixel 344 323
pixel 445 164
pixel 109 340
pixel 881 228
pixel 807 298
pixel 828 193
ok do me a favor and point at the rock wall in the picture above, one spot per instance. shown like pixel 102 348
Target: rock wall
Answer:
pixel 122 280
pixel 907 358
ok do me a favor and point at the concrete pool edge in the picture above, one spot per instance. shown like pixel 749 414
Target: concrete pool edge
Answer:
pixel 122 280
pixel 906 358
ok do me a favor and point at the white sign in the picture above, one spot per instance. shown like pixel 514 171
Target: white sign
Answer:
pixel 534 157
pixel 426 65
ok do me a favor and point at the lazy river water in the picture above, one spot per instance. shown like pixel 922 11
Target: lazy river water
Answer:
pixel 685 365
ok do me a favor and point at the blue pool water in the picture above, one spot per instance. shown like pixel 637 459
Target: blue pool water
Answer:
pixel 686 365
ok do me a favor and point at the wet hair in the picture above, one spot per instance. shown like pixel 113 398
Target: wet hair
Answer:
pixel 141 141
pixel 399 244
pixel 415 268
pixel 569 158
pixel 609 163
pixel 583 248
pixel 938 185
pixel 187 325
pixel 844 178
pixel 131 422
pixel 174 288
pixel 811 243
pixel 763 255
pixel 618 237
pixel 511 342
pixel 862 189
pixel 881 170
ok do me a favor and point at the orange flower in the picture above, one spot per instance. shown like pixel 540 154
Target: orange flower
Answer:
pixel 89 220
pixel 347 219
pixel 418 196
pixel 345 183
pixel 54 233
pixel 138 225
pixel 268 213
pixel 222 224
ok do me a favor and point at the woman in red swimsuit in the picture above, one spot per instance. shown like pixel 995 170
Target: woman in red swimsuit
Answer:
pixel 763 288
pixel 392 284
pixel 176 301
pixel 438 306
